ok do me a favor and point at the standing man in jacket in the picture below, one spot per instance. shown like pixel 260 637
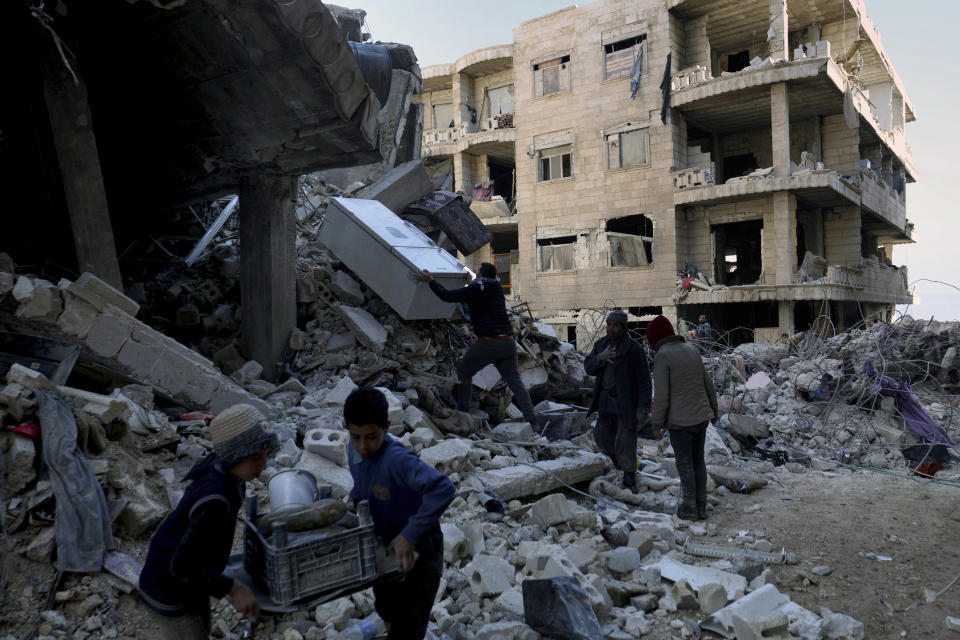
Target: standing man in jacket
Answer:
pixel 495 343
pixel 684 402
pixel 621 395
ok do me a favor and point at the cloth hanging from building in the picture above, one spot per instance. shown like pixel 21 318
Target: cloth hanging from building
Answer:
pixel 635 74
pixel 849 111
pixel 665 88
pixel 913 414
pixel 82 524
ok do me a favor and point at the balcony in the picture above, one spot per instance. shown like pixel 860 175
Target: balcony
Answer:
pixel 822 187
pixel 879 198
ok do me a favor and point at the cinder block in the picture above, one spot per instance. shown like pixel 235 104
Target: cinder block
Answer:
pixel 108 332
pixel 77 316
pixel 101 295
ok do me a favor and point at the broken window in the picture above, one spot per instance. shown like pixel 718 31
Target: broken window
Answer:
pixel 442 116
pixel 557 254
pixel 501 100
pixel 628 149
pixel 631 241
pixel 737 252
pixel 618 57
pixel 738 61
pixel 551 76
pixel 555 163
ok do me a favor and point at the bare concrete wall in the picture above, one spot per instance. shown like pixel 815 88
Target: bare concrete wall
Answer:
pixel 841 145
pixel 841 236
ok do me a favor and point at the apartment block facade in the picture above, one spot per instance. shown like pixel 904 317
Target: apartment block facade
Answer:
pixel 745 159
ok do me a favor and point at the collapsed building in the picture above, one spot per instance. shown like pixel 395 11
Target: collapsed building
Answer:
pixel 686 158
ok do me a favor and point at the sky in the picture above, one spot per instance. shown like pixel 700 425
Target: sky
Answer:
pixel 916 38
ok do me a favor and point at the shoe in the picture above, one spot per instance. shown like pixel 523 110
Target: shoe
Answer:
pixel 701 515
pixel 685 512
pixel 632 488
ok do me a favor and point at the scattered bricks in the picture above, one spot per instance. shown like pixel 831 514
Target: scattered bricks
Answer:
pixel 454 542
pixel 514 432
pixel 510 602
pixel 449 456
pixel 19 401
pixel 622 559
pixel 622 592
pixel 489 575
pixel 19 374
pixel 338 395
pixel 646 602
pixel 683 595
pixel 659 525
pixel 368 331
pixel 551 510
pixel 297 341
pixel 43 305
pixel 642 541
pixel 581 555
pixel 98 293
pixel 712 597
pixel 108 333
pixel 228 359
pixel 346 288
pixel 329 443
pixel 18 462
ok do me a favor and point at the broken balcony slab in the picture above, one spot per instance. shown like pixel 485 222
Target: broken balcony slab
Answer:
pixel 540 477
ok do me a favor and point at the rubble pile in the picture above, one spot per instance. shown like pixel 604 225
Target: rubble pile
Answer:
pixel 880 396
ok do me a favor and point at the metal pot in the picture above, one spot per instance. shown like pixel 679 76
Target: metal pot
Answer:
pixel 292 488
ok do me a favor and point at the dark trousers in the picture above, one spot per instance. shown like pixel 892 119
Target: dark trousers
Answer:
pixel 406 603
pixel 687 445
pixel 619 441
pixel 503 355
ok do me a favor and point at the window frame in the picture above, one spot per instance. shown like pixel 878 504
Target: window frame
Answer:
pixel 646 242
pixel 433 108
pixel 618 133
pixel 513 98
pixel 549 155
pixel 642 43
pixel 564 74
pixel 551 242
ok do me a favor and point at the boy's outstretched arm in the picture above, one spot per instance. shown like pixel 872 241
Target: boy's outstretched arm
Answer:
pixel 437 493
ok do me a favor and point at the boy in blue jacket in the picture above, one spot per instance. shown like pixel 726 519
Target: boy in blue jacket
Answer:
pixel 407 498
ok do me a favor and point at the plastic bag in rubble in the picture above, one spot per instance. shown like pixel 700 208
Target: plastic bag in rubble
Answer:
pixel 560 608
pixel 82 524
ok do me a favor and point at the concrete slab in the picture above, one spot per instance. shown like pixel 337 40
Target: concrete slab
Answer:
pixel 346 288
pixel 367 330
pixel 541 477
pixel 403 185
pixel 100 295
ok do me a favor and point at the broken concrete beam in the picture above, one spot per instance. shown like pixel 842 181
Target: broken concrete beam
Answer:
pixel 109 332
pixel 346 288
pixel 541 477
pixel 100 295
pixel 367 330
pixel 77 317
pixel 400 187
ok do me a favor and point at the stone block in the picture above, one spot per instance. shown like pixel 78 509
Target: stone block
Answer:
pixel 292 385
pixel 641 540
pixel 18 464
pixel 487 378
pixel 142 511
pixel 367 330
pixel 454 542
pixel 526 480
pixel 510 602
pixel 346 288
pixel 327 472
pixel 27 377
pixel 44 304
pixel 101 295
pixel 23 289
pixel 659 525
pixel 339 393
pixel 403 185
pixel 622 559
pixel 416 419
pixel 141 352
pixel 889 434
pixel 514 432
pixel 581 555
pixel 646 602
pixel 423 436
pixel 489 575
pixel 228 394
pixel 394 407
pixel 340 342
pixel 329 443
pixel 449 456
pixel 683 595
pixel 551 510
pixel 473 532
pixel 837 626
pixel 108 332
pixel 250 371
pixel 19 401
pixel 712 597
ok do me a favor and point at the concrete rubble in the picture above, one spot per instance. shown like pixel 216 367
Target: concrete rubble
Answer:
pixel 515 516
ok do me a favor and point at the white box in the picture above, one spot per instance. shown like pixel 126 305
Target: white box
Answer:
pixel 384 250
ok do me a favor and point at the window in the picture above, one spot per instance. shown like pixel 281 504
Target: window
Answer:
pixel 631 241
pixel 442 116
pixel 501 100
pixel 552 76
pixel 557 254
pixel 628 149
pixel 556 163
pixel 619 57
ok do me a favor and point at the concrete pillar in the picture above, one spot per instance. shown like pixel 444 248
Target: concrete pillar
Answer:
pixel 268 256
pixel 785 235
pixel 76 146
pixel 780 128
pixel 777 36
pixel 671 313
pixel 785 309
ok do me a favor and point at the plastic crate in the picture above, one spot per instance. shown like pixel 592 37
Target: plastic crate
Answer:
pixel 308 565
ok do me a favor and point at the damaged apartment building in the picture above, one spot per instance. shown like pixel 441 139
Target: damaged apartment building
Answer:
pixel 743 159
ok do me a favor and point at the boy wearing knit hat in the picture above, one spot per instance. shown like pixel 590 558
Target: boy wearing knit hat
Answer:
pixel 407 498
pixel 621 395
pixel 684 401
pixel 189 551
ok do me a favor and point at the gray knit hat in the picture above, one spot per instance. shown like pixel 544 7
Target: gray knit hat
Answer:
pixel 618 316
pixel 241 431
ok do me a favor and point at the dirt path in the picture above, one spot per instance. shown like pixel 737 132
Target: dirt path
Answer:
pixel 837 521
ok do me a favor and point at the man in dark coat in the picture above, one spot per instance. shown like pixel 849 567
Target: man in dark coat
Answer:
pixel 495 342
pixel 621 395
